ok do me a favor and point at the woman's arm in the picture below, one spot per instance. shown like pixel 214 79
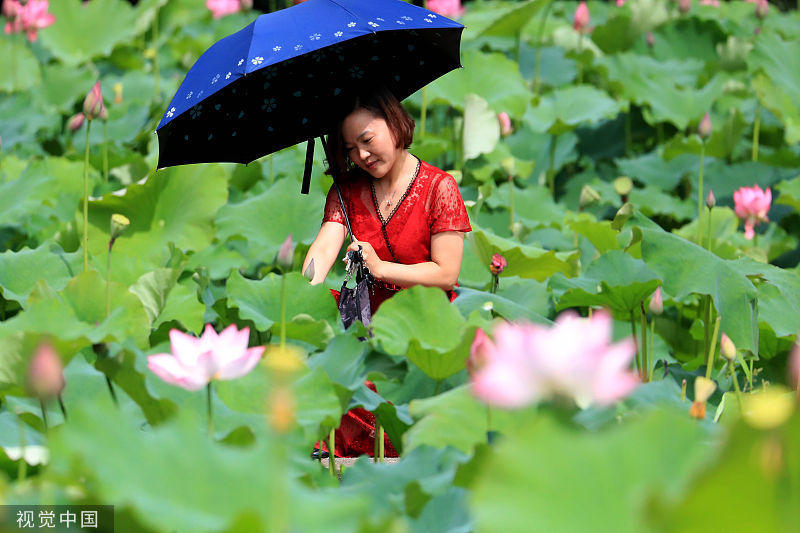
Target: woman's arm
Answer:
pixel 325 249
pixel 447 248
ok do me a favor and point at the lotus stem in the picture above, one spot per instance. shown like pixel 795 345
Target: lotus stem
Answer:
pixel 61 405
pixel 209 410
pixel 381 443
pixel 283 310
pixel 511 203
pixel 732 370
pixel 652 353
pixel 708 241
pixel 713 348
pixel 579 64
pixel 44 413
pixel 13 63
pixel 331 454
pixel 756 129
pixel 423 112
pixel 156 73
pixel 22 468
pixel 271 170
pixel 108 278
pixel 628 138
pixel 706 322
pixel 105 153
pixel 538 60
pixel 700 195
pixel 488 421
pixel 438 384
pixel 495 284
pixel 636 342
pixel 86 200
pixel 551 173
pixel 645 364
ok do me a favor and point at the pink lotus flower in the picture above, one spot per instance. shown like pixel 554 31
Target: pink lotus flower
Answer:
pixel 620 3
pixel 196 361
pixel 762 8
pixel 752 205
pixel 505 124
pixel 46 373
pixel 684 6
pixel 75 122
pixel 498 264
pixel 220 8
pixel 447 8
pixel 713 3
pixel 704 128
pixel 581 18
pixel 574 358
pixel 657 302
pixel 30 17
pixel 286 254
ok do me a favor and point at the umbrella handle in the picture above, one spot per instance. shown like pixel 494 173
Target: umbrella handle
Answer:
pixel 334 171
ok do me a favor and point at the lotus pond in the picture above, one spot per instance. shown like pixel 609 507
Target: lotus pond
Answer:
pixel 621 356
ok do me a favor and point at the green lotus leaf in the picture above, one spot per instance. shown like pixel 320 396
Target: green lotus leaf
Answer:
pixel 615 280
pixel 688 38
pixel 470 300
pixel 763 498
pixel 83 31
pixel 455 418
pixel 481 127
pixel 20 67
pixel 699 271
pixel 21 134
pixel 790 193
pixel 564 109
pixel 175 205
pixel 20 271
pixel 608 468
pixel 778 101
pixel 47 190
pixel 534 206
pixel 652 169
pixel 479 76
pixel 232 485
pixel 510 23
pixel 260 301
pixel 555 68
pixel 343 362
pixel 532 146
pixel 13 437
pixel 63 85
pixel 265 220
pixel 778 295
pixel 600 233
pixel 524 260
pixel 779 88
pixel 164 299
pixel 420 323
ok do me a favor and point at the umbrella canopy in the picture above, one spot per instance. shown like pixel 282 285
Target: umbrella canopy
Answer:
pixel 284 78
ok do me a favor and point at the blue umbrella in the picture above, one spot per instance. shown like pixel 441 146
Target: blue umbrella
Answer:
pixel 283 79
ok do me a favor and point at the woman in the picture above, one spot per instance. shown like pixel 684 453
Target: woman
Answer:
pixel 407 216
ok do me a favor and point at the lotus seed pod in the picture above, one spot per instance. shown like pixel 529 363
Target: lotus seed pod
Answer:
pixel 589 196
pixel 119 223
pixel 703 389
pixel 623 185
pixel 768 408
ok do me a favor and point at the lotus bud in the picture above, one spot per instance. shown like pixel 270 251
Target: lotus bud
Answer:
pixel 703 389
pixel 282 409
pixel 656 302
pixel 119 223
pixel 623 186
pixel 704 129
pixel 283 362
pixel 505 124
pixel 498 264
pixel 768 408
pixel 246 4
pixel 727 348
pixel 651 40
pixel 309 273
pixel 93 102
pixel 684 6
pixel 710 200
pixel 581 18
pixel 589 196
pixel 794 367
pixel 762 9
pixel 103 114
pixel 45 374
pixel 286 254
pixel 75 122
pixel 118 92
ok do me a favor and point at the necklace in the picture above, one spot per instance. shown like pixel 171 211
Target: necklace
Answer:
pixel 389 200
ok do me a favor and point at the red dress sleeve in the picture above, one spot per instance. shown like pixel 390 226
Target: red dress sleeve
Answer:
pixel 446 211
pixel 333 208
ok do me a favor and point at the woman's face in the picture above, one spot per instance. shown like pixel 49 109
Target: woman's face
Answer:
pixel 369 142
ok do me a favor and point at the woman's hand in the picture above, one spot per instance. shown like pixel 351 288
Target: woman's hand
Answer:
pixel 374 263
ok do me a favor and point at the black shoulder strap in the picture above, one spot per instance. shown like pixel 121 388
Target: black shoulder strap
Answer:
pixel 334 175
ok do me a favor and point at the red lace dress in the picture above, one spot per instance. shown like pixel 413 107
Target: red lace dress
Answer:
pixel 431 204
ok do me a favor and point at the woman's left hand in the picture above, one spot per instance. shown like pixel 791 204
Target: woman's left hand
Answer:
pixel 371 259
